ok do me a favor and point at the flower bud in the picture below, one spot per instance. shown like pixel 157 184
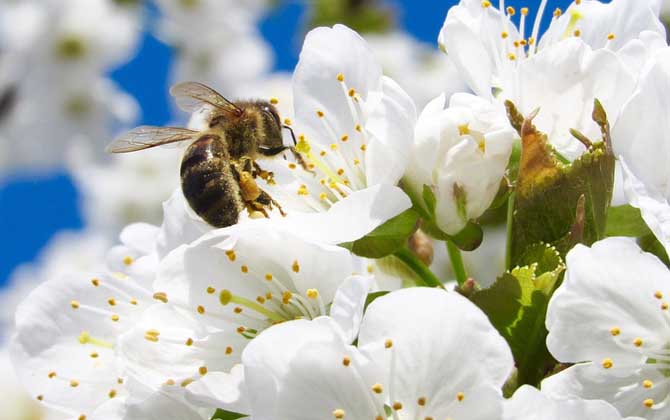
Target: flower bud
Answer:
pixel 460 153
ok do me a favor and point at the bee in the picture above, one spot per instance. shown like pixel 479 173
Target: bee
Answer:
pixel 219 168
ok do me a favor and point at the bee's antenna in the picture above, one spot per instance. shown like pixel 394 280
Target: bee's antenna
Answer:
pixel 295 143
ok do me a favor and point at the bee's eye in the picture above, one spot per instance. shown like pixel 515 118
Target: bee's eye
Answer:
pixel 273 112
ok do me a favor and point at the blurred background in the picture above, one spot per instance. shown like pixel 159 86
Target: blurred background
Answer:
pixel 75 73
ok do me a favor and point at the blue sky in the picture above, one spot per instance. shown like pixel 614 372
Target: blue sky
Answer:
pixel 32 210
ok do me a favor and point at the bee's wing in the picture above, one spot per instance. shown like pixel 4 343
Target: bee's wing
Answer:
pixel 192 96
pixel 145 137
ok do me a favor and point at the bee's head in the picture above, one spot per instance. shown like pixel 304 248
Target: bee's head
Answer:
pixel 271 124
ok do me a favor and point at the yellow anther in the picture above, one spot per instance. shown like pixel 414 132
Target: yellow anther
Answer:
pixel 268 277
pixel 231 255
pixel 658 295
pixel 268 295
pixel 346 361
pixel 211 290
pixel 486 4
pixel 323 196
pixel 377 388
pixel 524 11
pixel 200 309
pixel 523 42
pixel 647 383
pixel 340 77
pixel 82 417
pixel 74 383
pixel 186 382
pixel 578 2
pixel 558 12
pixel 333 146
pixel 292 165
pixel 112 393
pixel 74 304
pixel 241 330
pixel 133 301
pixel 460 396
pixel 237 310
pixel 664 306
pixel 338 414
pixel 119 381
pixel 648 403
pixel 504 35
pixel 229 350
pixel 111 302
pixel 637 342
pixel 516 44
pixel 340 172
pixel 295 266
pixel 260 299
pixel 287 121
pixel 51 375
pixel 320 114
pixel 358 128
pixel 357 162
pixel 531 41
pixel 244 269
pixel 161 296
pixel 511 56
pixel 95 282
pixel 202 370
pixel 615 331
pixel 364 147
pixel 312 293
pixel 511 11
pixel 610 36
pixel 274 101
pixel 170 382
pixel 607 363
pixel 577 32
pixel 388 343
pixel 421 401
pixel 127 260
pixel 322 153
pixel 40 397
pixel 189 342
pixel 114 317
pixel 464 129
pixel 302 190
pixel 397 406
pixel 94 355
pixel 286 297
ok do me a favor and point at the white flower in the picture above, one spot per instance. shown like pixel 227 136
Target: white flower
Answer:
pixel 610 316
pixel 589 52
pixel 354 125
pixel 218 293
pixel 16 403
pixel 640 139
pixel 424 353
pixel 461 154
pixel 528 403
pixel 67 332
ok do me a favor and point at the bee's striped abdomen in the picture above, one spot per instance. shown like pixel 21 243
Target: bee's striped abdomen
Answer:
pixel 208 184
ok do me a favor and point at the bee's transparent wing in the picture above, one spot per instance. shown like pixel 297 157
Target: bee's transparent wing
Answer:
pixel 145 137
pixel 192 96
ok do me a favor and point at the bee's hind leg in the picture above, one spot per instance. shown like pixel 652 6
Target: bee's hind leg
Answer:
pixel 266 200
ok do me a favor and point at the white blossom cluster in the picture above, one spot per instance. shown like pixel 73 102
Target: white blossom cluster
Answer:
pixel 282 318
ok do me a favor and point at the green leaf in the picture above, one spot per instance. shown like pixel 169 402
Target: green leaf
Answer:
pixel 649 243
pixel 363 16
pixel 626 220
pixel 227 415
pixel 548 194
pixel 387 238
pixel 516 305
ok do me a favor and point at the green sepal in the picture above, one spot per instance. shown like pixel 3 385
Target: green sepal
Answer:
pixel 387 238
pixel 625 220
pixel 227 415
pixel 516 305
pixel 372 297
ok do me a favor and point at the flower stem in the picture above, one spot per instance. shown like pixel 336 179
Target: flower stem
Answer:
pixel 508 241
pixel 426 276
pixel 457 263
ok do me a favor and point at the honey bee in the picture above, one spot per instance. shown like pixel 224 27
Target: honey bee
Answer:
pixel 219 168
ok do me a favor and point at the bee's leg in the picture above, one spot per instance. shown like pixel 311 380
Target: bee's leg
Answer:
pixel 268 176
pixel 301 160
pixel 265 199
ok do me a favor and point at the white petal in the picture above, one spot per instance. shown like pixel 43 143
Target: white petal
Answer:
pixel 219 389
pixel 528 403
pixel 436 335
pixel 610 285
pixel 348 305
pixel 295 371
pixel 180 225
